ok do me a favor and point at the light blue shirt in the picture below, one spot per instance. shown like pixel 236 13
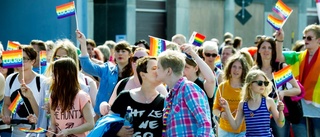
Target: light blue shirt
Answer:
pixel 108 74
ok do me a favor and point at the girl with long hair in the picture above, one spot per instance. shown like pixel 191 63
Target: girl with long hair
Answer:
pixel 255 106
pixel 70 107
pixel 234 75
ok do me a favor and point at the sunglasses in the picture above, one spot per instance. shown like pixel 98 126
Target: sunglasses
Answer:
pixel 1 65
pixel 134 59
pixel 260 83
pixel 212 55
pixel 309 38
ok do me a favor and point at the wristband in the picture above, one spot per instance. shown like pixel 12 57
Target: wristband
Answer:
pixel 284 120
pixel 279 40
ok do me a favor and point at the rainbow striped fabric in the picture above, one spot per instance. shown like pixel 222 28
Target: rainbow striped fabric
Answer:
pixel 282 76
pixel 38 130
pixel 217 62
pixel 15 104
pixel 197 39
pixel 66 10
pixel 12 45
pixel 157 46
pixel 282 9
pixel 43 58
pixel 275 22
pixel 12 58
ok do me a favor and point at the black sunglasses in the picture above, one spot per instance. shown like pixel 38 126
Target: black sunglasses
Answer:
pixel 260 83
pixel 134 59
pixel 309 38
pixel 212 55
pixel 1 64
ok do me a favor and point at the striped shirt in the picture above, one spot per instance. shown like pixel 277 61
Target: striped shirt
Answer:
pixel 189 115
pixel 257 121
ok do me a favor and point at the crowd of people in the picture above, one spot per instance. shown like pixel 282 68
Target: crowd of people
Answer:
pixel 181 92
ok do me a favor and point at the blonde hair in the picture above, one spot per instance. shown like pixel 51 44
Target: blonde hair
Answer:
pixel 172 46
pixel 71 50
pixel 174 60
pixel 314 28
pixel 252 76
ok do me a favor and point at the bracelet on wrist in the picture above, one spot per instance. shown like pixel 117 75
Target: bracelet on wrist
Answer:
pixel 278 40
pixel 220 114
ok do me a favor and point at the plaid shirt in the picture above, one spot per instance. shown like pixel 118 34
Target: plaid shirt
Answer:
pixel 190 113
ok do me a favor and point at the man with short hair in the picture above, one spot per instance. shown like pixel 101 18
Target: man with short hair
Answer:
pixel 227 51
pixel 186 111
pixel 179 39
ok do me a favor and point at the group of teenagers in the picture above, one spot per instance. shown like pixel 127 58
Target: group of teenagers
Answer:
pixel 180 92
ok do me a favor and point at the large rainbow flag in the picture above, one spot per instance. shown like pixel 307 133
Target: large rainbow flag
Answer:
pixel 157 46
pixel 275 22
pixel 311 79
pixel 282 10
pixel 66 10
pixel 282 76
pixel 12 45
pixel 43 58
pixel 38 130
pixel 197 39
pixel 16 103
pixel 12 58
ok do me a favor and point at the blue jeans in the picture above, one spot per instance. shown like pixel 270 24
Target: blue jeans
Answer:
pixel 222 133
pixel 301 130
pixel 278 131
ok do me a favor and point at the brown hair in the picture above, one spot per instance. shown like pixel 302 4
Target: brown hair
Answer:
pixel 65 85
pixel 142 66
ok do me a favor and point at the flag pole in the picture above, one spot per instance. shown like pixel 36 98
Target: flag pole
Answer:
pixel 22 68
pixel 75 12
pixel 275 87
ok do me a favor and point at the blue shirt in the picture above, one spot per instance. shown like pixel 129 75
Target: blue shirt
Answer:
pixel 108 74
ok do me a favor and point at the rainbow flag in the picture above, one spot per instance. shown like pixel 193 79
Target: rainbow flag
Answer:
pixel 282 76
pixel 66 10
pixel 38 130
pixel 217 62
pixel 197 39
pixel 157 46
pixel 12 45
pixel 282 9
pixel 275 22
pixel 12 58
pixel 16 103
pixel 43 58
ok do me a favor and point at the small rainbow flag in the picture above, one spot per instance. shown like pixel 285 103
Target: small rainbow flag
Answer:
pixel 157 46
pixel 197 39
pixel 282 76
pixel 275 22
pixel 43 58
pixel 282 9
pixel 217 62
pixel 16 103
pixel 12 58
pixel 38 130
pixel 12 45
pixel 66 10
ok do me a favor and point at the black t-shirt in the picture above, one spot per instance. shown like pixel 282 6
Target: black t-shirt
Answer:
pixel 147 118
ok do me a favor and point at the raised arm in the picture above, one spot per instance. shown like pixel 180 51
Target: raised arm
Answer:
pixel 279 45
pixel 209 83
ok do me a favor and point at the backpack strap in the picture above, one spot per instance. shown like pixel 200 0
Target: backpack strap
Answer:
pixel 12 80
pixel 122 85
pixel 38 82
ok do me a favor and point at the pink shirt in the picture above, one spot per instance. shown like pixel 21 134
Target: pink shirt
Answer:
pixel 74 117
